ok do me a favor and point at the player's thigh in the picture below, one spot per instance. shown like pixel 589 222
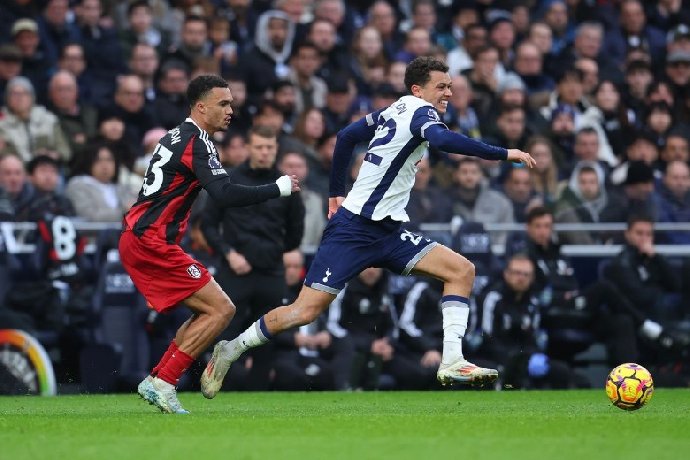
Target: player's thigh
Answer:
pixel 443 263
pixel 210 299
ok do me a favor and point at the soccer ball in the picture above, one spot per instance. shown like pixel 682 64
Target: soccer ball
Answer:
pixel 629 386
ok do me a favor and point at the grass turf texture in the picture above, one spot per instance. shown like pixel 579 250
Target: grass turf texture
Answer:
pixel 451 424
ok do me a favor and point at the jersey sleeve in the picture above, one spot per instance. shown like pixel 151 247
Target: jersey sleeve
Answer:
pixel 212 176
pixel 427 124
pixel 422 118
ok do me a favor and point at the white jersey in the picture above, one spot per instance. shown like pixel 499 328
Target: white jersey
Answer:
pixel 384 182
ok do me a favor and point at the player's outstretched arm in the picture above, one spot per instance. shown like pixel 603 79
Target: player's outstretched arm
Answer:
pixel 449 141
pixel 227 194
pixel 360 131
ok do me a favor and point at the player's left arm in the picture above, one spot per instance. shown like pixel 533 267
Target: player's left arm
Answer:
pixel 427 124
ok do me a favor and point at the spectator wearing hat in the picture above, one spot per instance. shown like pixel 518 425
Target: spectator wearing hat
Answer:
pixel 562 130
pixel 11 11
pixel 677 72
pixel 35 64
pixel 642 147
pixel 267 60
pixel 10 67
pixel 672 200
pixel 634 195
pixel 46 197
pixel 29 128
pixel 633 32
pixel 77 120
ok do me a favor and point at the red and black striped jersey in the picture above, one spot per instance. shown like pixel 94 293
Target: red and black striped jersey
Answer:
pixel 184 161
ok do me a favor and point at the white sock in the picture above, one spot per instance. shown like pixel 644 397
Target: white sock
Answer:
pixel 255 335
pixel 455 311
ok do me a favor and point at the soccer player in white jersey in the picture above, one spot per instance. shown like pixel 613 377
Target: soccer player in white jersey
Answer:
pixel 364 228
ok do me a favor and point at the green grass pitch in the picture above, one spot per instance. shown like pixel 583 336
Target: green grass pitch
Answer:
pixel 378 425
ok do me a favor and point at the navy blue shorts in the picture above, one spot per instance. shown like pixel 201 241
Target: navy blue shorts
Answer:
pixel 351 243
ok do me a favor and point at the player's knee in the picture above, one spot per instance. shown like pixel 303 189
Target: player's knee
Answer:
pixel 226 311
pixel 463 270
pixel 309 313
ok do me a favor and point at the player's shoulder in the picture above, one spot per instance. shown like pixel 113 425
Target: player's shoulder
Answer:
pixel 409 106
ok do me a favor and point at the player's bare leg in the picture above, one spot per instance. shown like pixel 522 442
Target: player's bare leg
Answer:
pixel 457 274
pixel 310 303
pixel 213 310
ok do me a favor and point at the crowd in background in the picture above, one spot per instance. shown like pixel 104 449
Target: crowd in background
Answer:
pixel 598 91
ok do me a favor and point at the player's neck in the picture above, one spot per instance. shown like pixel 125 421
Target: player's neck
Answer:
pixel 200 123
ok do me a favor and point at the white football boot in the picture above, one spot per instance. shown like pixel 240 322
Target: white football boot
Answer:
pixel 160 394
pixel 217 367
pixel 463 371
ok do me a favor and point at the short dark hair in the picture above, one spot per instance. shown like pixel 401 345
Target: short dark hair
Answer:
pixel 202 85
pixel 419 71
pixel 639 217
pixel 40 160
pixel 537 212
pixel 262 131
pixel 588 169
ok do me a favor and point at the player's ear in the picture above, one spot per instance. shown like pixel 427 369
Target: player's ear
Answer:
pixel 201 107
pixel 416 90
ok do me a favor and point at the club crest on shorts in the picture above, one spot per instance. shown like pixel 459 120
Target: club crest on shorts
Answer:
pixel 194 271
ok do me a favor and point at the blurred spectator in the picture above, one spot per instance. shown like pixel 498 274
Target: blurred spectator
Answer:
pixel 365 312
pixel 367 61
pixel 56 28
pixel 141 29
pixel 484 78
pixel 284 95
pixel 383 17
pixel 584 200
pixel 544 176
pixel 428 203
pixel 460 116
pixel 338 102
pixel 517 187
pixel 502 36
pixel 541 35
pixel 223 48
pixel 295 163
pixel 603 310
pixel 72 60
pixel 587 147
pixel 308 357
pixel 529 66
pixel 647 278
pixel 641 147
pixel 45 199
pixel 232 150
pixel 461 57
pixel 590 75
pixel 267 61
pixel 194 44
pixel 104 56
pixel 396 76
pixel 30 129
pixel 613 117
pixel 14 183
pixel 10 67
pixel 334 58
pixel 242 18
pixel 672 200
pixel 130 106
pixel 171 104
pixel 633 32
pixel 638 78
pixel 562 132
pixel 150 143
pixel 241 111
pixel 77 120
pixel 144 63
pixel 588 43
pixel 311 89
pixel 511 127
pixel 512 334
pixel 320 170
pixel 636 196
pixel 269 114
pixel 417 43
pixel 93 187
pixel 676 148
pixel 310 128
pixel 35 63
pixel 474 201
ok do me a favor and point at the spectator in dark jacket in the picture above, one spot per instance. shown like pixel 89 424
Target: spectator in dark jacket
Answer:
pixel 672 200
pixel 251 241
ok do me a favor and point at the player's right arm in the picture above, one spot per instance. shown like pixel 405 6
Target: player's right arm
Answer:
pixel 224 192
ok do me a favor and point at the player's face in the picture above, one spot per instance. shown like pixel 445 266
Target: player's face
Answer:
pixel 218 110
pixel 436 91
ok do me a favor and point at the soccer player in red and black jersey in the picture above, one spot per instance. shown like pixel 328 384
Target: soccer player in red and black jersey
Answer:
pixel 184 161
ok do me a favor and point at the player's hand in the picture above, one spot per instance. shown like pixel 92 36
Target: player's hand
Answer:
pixel 238 263
pixel 322 339
pixel 333 204
pixel 288 185
pixel 518 156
